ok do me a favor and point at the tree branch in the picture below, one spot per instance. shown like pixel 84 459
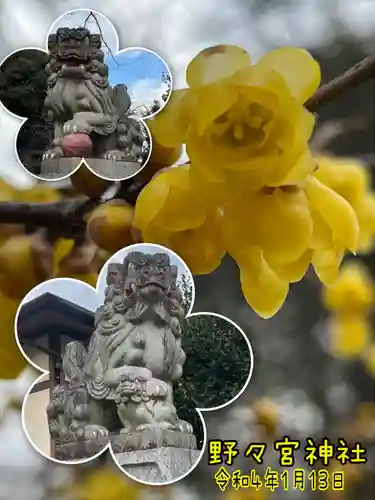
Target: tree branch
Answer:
pixel 69 214
pixel 361 72
pixel 66 216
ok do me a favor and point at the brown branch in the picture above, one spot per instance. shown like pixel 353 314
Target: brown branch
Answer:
pixel 361 72
pixel 68 215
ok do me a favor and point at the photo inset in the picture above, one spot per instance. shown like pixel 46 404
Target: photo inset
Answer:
pixel 77 109
pixel 125 366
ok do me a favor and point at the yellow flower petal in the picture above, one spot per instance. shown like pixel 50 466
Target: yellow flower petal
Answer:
pixel 214 186
pixel 347 176
pixel 201 248
pixel 299 69
pixel 326 263
pixel 294 271
pixel 212 101
pixel 170 126
pixel 180 212
pixel 263 290
pixel 182 209
pixel 336 212
pixel 303 167
pixel 149 202
pixel 216 63
pixel 279 222
pixel 322 236
pixel 295 126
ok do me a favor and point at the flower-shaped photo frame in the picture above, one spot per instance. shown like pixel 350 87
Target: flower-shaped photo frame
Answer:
pixel 125 366
pixel 83 101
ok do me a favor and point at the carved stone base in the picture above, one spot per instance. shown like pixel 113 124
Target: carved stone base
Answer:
pixel 158 465
pixel 123 444
pixel 114 170
pixel 58 167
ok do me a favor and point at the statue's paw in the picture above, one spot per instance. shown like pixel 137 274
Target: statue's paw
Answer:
pixel 114 155
pixel 185 427
pixel 156 425
pixel 53 153
pixel 74 127
pixel 95 432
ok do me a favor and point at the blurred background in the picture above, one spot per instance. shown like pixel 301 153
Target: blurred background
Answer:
pixel 308 391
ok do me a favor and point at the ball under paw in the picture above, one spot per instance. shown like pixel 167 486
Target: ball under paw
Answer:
pixel 76 145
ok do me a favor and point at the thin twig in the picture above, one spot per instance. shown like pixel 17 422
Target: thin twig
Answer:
pixel 361 72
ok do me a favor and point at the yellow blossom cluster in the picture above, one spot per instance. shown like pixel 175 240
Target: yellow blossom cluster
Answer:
pixel 252 188
pixel 351 301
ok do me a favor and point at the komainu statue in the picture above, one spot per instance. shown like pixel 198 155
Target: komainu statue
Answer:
pixel 123 382
pixel 81 101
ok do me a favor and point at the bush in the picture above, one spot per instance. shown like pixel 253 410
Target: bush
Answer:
pixel 216 368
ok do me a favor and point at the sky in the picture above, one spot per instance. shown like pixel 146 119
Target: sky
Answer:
pixel 176 31
pixel 85 296
pixel 141 71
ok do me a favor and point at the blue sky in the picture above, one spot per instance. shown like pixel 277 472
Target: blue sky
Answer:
pixel 141 71
pixel 86 297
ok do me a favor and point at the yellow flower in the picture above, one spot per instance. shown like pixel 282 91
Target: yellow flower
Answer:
pixel 350 179
pixel 347 176
pixel 353 292
pixel 350 335
pixel 244 118
pixel 169 213
pixel 336 229
pixel 275 233
pixel 267 415
pixel 277 220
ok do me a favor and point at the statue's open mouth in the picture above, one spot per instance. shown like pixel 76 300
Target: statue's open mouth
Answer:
pixel 72 58
pixel 153 283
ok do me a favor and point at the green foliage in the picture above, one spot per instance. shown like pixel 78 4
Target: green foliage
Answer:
pixel 23 87
pixel 186 289
pixel 216 368
pixel 23 82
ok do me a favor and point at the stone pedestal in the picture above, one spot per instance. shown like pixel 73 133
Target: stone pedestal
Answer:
pixel 111 170
pixel 57 168
pixel 158 465
pixel 153 455
pixel 157 455
pixel 114 170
